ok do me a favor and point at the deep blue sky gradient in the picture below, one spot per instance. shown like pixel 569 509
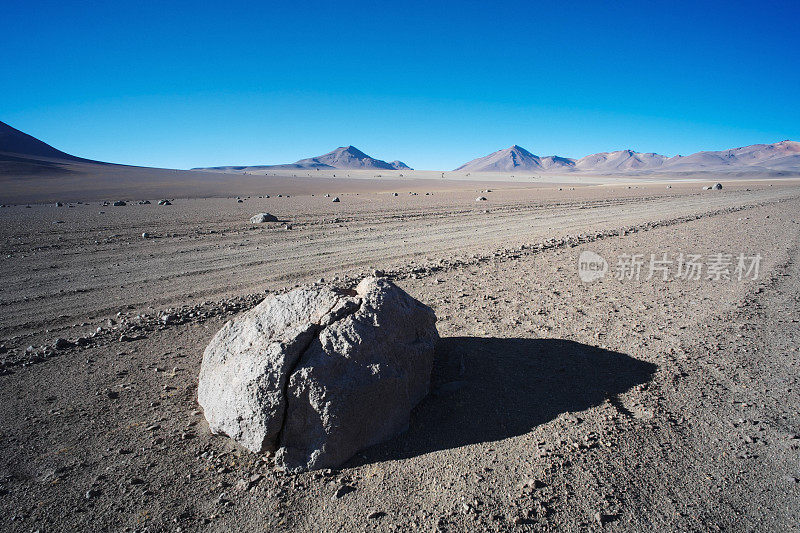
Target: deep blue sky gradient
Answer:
pixel 183 84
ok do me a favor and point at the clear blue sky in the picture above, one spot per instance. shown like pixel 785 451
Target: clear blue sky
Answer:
pixel 434 84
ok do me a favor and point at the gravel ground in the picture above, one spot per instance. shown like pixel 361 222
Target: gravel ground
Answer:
pixel 556 405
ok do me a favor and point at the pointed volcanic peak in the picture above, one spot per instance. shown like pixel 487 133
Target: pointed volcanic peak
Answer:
pixel 13 141
pixel 514 158
pixel 784 155
pixel 345 157
pixel 620 160
pixel 399 165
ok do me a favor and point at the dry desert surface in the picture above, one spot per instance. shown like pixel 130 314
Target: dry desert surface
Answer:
pixel 556 404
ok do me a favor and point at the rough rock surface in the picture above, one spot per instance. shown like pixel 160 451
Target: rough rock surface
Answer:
pixel 260 218
pixel 319 374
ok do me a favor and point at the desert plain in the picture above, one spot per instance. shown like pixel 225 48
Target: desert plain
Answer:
pixel 628 404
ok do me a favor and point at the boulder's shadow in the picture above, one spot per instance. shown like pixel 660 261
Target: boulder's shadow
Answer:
pixel 487 389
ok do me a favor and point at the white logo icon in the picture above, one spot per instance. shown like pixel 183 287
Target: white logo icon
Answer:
pixel 591 266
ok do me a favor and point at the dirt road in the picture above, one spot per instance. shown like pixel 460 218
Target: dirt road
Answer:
pixel 66 266
pixel 624 404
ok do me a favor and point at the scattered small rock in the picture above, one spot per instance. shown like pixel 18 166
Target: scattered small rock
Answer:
pixel 343 490
pixel 261 218
pixel 61 344
pixel 604 518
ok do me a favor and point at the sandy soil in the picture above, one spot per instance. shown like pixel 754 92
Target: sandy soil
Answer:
pixel 52 180
pixel 556 404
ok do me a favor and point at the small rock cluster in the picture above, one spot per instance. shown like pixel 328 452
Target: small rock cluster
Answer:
pixel 124 329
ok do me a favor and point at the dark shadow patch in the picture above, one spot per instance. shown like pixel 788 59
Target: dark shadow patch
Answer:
pixel 488 389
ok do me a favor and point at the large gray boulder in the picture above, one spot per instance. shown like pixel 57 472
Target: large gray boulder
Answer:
pixel 318 373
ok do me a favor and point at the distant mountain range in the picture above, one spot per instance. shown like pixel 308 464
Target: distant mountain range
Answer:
pixel 344 157
pixel 780 156
pixel 620 160
pixel 516 158
pixel 24 155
